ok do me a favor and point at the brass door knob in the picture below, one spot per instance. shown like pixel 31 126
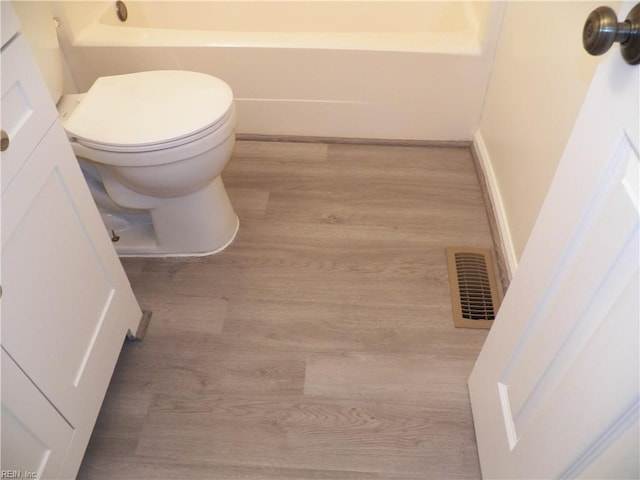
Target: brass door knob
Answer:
pixel 4 140
pixel 602 29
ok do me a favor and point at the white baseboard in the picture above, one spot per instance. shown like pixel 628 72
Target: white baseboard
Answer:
pixel 499 213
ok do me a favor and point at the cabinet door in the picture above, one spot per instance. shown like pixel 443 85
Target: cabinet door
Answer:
pixel 67 304
pixel 27 109
pixel 35 437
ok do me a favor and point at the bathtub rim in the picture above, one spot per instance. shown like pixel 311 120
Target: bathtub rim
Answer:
pixel 465 41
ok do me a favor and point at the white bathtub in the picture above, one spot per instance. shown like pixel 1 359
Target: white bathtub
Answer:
pixel 367 69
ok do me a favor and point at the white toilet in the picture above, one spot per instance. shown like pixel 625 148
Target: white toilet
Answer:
pixel 151 145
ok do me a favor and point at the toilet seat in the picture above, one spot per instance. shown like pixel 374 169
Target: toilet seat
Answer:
pixel 219 124
pixel 149 111
pixel 201 142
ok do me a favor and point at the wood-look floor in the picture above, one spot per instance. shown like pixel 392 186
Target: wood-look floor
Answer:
pixel 320 344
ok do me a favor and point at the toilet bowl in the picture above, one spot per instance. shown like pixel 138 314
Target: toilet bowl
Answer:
pixel 152 146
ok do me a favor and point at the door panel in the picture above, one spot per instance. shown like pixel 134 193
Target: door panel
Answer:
pixel 555 391
pixel 35 437
pixel 66 304
pixel 37 276
pixel 549 347
pixel 21 92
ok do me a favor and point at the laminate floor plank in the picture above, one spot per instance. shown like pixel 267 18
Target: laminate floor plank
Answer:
pixel 385 377
pixel 320 344
pixel 155 468
pixel 381 438
pixel 270 325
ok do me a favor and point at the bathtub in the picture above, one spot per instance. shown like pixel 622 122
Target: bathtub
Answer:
pixel 413 70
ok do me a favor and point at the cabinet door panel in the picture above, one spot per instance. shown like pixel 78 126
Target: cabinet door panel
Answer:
pixel 45 278
pixel 27 109
pixel 34 435
pixel 67 304
pixel 60 310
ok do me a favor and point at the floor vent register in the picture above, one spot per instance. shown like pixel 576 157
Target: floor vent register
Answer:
pixel 474 290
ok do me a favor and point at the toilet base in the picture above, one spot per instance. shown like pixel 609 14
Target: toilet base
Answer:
pixel 139 241
pixel 202 223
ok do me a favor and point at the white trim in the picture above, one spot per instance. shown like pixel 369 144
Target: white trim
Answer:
pixel 496 200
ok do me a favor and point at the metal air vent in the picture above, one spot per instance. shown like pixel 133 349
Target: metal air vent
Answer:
pixel 474 292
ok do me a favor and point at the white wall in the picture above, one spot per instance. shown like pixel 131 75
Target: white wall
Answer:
pixel 540 76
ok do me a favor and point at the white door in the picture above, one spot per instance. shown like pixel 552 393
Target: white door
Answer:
pixel 555 391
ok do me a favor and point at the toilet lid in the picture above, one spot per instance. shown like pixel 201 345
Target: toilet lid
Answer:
pixel 149 108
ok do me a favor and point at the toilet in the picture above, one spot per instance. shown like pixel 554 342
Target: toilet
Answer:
pixel 151 146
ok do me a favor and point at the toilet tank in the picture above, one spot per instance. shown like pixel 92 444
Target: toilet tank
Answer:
pixel 39 28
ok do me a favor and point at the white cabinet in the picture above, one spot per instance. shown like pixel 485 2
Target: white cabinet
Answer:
pixel 66 303
pixel 35 437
